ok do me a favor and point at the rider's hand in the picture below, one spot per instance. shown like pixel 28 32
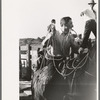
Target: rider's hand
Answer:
pixel 80 50
pixel 85 50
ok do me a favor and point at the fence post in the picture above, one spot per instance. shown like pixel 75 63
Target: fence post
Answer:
pixel 20 65
pixel 29 62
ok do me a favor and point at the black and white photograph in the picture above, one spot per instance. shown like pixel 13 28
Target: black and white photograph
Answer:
pixel 50 49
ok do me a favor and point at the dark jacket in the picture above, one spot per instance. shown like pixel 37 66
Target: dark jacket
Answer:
pixel 90 26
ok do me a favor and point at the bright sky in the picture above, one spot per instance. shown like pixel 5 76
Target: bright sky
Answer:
pixel 29 19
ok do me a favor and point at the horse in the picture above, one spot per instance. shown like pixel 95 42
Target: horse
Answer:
pixel 76 82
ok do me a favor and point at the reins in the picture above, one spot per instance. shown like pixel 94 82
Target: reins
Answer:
pixel 64 75
pixel 74 69
pixel 77 67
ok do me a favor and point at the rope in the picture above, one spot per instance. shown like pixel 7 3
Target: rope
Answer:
pixel 80 62
pixel 60 72
pixel 67 64
pixel 89 73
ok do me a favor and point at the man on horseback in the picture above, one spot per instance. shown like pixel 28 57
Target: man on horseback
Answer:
pixel 90 25
pixel 63 43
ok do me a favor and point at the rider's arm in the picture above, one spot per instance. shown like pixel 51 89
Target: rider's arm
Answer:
pixel 87 32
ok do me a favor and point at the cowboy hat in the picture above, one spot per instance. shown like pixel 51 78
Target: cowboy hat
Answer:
pixel 92 2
